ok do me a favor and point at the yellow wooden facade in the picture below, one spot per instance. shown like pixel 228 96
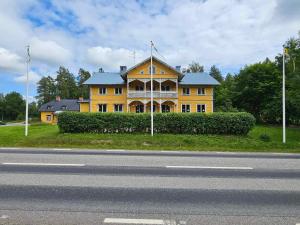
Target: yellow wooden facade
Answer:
pixel 48 117
pixel 135 96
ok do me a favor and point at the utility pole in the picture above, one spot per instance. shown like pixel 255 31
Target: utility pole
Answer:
pixel 27 89
pixel 283 97
pixel 151 91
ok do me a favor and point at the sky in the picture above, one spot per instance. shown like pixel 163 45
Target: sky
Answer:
pixel 91 34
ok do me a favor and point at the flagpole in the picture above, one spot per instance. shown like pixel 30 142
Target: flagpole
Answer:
pixel 283 97
pixel 27 90
pixel 151 91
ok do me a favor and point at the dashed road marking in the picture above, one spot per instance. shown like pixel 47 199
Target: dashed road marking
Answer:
pixel 211 167
pixel 42 164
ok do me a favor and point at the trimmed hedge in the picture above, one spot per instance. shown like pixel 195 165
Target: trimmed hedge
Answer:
pixel 175 123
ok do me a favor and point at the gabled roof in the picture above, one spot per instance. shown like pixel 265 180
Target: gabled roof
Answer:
pixel 124 74
pixel 53 106
pixel 198 78
pixel 105 78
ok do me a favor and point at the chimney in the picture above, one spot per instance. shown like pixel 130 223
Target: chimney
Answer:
pixel 178 68
pixel 123 69
pixel 58 98
pixel 80 99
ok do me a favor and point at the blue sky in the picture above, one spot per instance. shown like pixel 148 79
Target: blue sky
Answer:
pixel 91 34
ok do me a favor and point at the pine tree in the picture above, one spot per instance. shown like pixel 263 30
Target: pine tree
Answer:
pixel 83 90
pixel 66 84
pixel 216 73
pixel 46 90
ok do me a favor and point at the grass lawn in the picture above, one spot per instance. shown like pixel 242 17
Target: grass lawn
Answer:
pixel 41 135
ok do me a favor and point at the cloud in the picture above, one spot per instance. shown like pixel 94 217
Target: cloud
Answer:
pixel 10 61
pixel 49 52
pixel 33 78
pixel 109 58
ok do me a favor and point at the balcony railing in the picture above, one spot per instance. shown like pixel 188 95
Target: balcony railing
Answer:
pixel 156 94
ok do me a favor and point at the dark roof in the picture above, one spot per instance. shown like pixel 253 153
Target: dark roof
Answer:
pixel 53 106
pixel 124 74
pixel 198 78
pixel 105 78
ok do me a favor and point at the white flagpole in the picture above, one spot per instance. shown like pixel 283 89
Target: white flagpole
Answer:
pixel 151 91
pixel 283 97
pixel 27 90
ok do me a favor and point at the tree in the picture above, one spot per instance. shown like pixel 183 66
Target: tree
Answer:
pixel 216 73
pixel 66 84
pixel 257 90
pixel 14 105
pixel 83 90
pixel 2 106
pixel 195 67
pixel 46 90
pixel 33 110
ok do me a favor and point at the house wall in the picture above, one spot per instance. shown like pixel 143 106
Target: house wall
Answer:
pixel 44 117
pixel 84 106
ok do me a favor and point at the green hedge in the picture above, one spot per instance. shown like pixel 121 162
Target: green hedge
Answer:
pixel 176 123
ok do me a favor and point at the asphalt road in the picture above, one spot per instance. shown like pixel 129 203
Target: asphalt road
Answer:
pixel 65 186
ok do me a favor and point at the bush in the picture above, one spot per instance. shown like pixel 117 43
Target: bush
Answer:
pixel 176 123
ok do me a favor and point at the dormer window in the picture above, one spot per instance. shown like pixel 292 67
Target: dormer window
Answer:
pixel 63 107
pixel 49 107
pixel 153 70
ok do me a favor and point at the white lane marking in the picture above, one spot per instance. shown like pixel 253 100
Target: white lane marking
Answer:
pixel 61 149
pixel 10 148
pixel 4 217
pixel 134 221
pixel 211 167
pixel 170 151
pixel 42 164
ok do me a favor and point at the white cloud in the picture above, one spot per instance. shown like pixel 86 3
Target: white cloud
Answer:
pixel 109 58
pixel 49 52
pixel 10 61
pixel 33 77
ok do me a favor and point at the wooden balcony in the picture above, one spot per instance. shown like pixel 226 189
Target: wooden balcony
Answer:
pixel 156 94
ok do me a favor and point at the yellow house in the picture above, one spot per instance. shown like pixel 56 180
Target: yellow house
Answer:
pixel 129 90
pixel 50 110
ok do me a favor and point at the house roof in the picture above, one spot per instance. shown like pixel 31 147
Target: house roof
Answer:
pixel 105 78
pixel 124 74
pixel 198 78
pixel 53 106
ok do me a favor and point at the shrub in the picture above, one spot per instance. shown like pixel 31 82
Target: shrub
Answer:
pixel 176 123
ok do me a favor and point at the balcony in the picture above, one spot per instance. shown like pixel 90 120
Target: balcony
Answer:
pixel 156 94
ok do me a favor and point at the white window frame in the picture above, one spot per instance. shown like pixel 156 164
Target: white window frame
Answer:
pixel 183 91
pixel 202 92
pixel 185 110
pixel 102 109
pixel 119 92
pixel 201 105
pixel 49 117
pixel 101 91
pixel 154 69
pixel 119 107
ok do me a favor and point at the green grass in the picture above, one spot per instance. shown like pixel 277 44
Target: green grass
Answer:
pixel 41 135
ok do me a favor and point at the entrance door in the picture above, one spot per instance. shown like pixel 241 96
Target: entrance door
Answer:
pixel 139 109
pixel 165 108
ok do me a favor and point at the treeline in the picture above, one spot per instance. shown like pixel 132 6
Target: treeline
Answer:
pixel 65 85
pixel 12 107
pixel 257 88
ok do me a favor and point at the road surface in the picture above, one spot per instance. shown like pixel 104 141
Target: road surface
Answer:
pixel 66 186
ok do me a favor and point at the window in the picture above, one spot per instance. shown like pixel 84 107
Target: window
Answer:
pixel 63 107
pixel 139 88
pixel 139 109
pixel 48 117
pixel 102 108
pixel 142 72
pixel 186 91
pixel 118 91
pixel 49 107
pixel 162 72
pixel 102 91
pixel 200 108
pixel 153 69
pixel 165 108
pixel 118 108
pixel 185 108
pixel 201 91
pixel 165 88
